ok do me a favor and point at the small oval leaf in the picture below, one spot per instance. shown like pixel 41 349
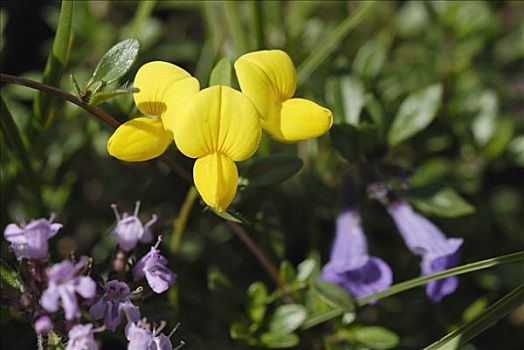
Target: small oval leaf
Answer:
pixel 279 341
pixel 257 295
pixel 9 278
pixel 273 169
pixel 444 202
pixel 335 295
pixel 415 113
pixel 116 62
pixel 378 338
pixel 287 318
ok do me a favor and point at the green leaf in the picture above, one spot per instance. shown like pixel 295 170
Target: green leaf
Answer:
pixel 445 202
pixel 287 272
pixel 469 330
pixel 56 61
pixel 257 296
pixel 278 340
pixel 335 295
pixel 100 97
pixel 352 91
pixel 306 269
pixel 116 62
pixel 415 113
pixel 287 318
pixel 239 331
pixel 369 59
pixel 321 317
pixel 17 145
pixel 221 73
pixel 273 169
pixel 230 216
pixel 54 342
pixel 9 277
pixel 377 337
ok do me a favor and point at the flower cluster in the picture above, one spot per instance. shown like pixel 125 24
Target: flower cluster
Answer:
pixel 217 125
pixel 354 270
pixel 57 296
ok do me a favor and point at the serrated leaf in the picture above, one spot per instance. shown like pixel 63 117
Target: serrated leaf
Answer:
pixel 257 296
pixel 116 62
pixel 9 278
pixel 221 73
pixel 335 295
pixel 444 202
pixel 378 338
pixel 287 318
pixel 273 169
pixel 415 113
pixel 278 340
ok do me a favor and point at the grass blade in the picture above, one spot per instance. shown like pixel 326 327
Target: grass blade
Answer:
pixel 469 330
pixel 333 40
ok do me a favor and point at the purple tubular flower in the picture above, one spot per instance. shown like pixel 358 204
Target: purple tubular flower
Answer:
pixel 114 302
pixel 81 337
pixel 153 267
pixel 140 337
pixel 129 229
pixel 425 239
pixel 30 241
pixel 64 283
pixel 350 266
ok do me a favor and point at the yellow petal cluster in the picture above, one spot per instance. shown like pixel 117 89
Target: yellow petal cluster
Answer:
pixel 268 78
pixel 163 90
pixel 219 126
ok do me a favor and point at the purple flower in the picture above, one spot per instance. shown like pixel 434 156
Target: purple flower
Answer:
pixel 153 267
pixel 114 302
pixel 142 338
pixel 43 324
pixel 425 239
pixel 129 229
pixel 350 266
pixel 64 283
pixel 30 241
pixel 81 337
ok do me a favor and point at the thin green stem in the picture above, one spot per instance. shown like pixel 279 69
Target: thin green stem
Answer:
pixel 469 330
pixel 180 223
pixel 235 27
pixel 258 24
pixel 332 41
pixel 142 13
pixel 56 61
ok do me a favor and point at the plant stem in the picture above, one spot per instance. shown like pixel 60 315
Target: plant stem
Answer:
pixel 259 254
pixel 179 224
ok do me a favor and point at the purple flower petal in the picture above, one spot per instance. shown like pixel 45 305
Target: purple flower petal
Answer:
pixel 153 267
pixel 129 229
pixel 50 299
pixel 86 287
pixel 425 239
pixel 139 337
pixel 350 266
pixel 81 337
pixel 69 303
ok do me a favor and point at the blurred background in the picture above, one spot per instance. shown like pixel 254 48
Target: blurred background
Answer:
pixel 475 145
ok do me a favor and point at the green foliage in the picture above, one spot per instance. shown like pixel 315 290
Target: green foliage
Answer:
pixel 378 338
pixel 272 169
pixel 221 73
pixel 9 278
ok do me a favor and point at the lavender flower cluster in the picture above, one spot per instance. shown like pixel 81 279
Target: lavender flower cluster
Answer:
pixel 360 274
pixel 69 285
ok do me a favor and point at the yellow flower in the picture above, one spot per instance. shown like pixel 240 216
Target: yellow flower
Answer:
pixel 268 78
pixel 218 127
pixel 164 89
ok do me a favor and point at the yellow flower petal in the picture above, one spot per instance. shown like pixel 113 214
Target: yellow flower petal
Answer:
pixel 218 119
pixel 268 78
pixel 302 119
pixel 216 179
pixel 138 140
pixel 155 80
